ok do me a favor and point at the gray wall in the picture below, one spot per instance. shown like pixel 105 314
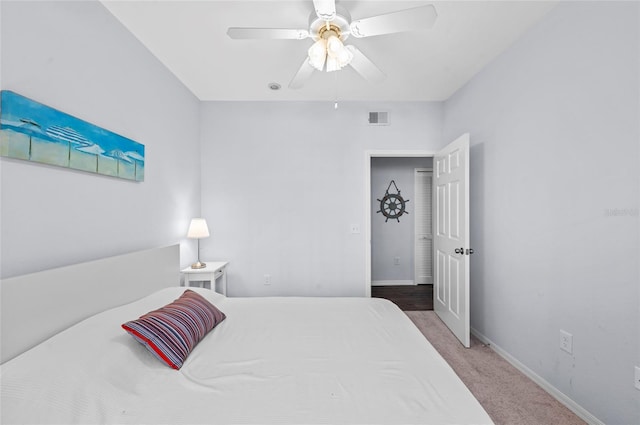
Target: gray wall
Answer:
pixel 282 182
pixel 393 239
pixel 75 57
pixel 554 125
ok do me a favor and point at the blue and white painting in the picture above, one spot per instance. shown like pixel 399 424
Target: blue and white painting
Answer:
pixel 35 132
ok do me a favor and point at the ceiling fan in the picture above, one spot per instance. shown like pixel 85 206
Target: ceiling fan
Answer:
pixel 330 26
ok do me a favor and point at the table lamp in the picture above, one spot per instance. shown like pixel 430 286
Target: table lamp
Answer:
pixel 197 230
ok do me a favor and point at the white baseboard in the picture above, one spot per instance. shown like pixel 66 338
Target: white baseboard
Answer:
pixel 553 391
pixel 392 282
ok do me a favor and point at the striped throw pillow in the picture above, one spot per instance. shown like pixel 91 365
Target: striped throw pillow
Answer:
pixel 171 332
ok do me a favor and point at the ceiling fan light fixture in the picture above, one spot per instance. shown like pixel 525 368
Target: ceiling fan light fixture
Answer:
pixel 318 54
pixel 329 50
pixel 338 53
pixel 344 56
pixel 332 64
pixel 334 45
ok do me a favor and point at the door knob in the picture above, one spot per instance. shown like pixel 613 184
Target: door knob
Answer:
pixel 459 251
pixel 469 251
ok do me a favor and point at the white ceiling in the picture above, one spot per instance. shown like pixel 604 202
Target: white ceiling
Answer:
pixel 190 38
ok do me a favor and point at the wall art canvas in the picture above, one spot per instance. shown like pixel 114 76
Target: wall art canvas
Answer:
pixel 35 132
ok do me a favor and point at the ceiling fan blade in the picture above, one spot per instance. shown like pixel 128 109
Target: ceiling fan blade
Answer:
pixel 325 9
pixel 303 74
pixel 363 66
pixel 405 20
pixel 266 33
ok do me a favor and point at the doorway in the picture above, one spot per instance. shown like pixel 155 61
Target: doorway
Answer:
pixel 392 267
pixel 451 231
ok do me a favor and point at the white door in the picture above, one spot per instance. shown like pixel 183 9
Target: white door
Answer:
pixel 423 226
pixel 451 238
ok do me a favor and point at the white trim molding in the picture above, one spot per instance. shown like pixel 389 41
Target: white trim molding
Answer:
pixel 580 411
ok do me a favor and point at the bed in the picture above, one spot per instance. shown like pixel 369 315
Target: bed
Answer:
pixel 272 360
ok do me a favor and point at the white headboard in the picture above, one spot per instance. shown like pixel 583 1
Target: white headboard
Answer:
pixel 37 306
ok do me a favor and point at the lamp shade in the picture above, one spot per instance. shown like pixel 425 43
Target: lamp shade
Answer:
pixel 198 229
pixel 318 54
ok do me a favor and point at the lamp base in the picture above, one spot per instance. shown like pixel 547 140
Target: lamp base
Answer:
pixel 198 265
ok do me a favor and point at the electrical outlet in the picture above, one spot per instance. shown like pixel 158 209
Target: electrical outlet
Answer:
pixel 566 341
pixel 396 261
pixel 267 279
pixel 355 229
pixel 637 378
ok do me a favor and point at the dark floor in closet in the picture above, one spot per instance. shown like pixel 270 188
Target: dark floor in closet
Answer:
pixel 408 298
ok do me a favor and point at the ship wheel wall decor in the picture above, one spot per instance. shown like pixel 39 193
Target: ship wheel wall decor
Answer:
pixel 392 205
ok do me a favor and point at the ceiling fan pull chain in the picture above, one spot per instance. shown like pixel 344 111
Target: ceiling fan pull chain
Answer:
pixel 335 105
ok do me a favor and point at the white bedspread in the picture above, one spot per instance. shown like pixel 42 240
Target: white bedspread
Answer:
pixel 272 361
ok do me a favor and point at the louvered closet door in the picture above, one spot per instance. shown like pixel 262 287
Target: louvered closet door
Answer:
pixel 423 227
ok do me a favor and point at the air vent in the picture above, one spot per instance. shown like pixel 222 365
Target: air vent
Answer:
pixel 378 118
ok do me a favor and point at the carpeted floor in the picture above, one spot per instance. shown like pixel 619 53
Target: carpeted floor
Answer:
pixel 508 396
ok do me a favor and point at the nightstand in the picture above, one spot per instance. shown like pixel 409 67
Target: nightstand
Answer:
pixel 213 271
